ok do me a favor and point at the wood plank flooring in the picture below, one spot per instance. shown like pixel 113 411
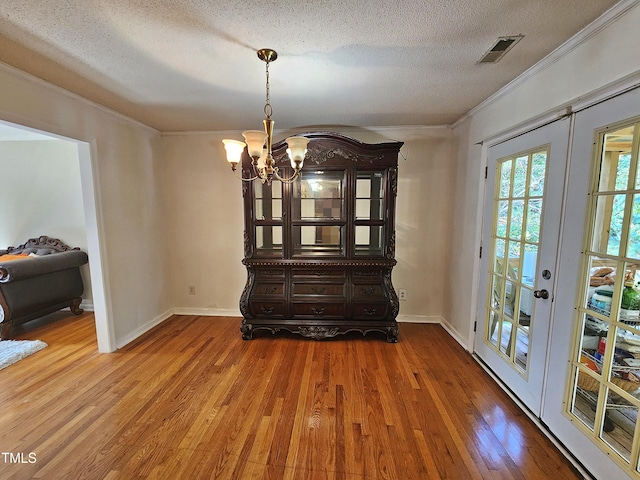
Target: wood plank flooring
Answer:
pixel 192 400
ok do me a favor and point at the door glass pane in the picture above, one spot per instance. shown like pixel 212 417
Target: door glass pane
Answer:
pixel 609 340
pixel 269 240
pixel 368 240
pixel 318 195
pixel 369 195
pixel 268 201
pixel 317 240
pixel 518 203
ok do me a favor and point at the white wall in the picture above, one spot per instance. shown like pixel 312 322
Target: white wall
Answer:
pixel 41 194
pixel 607 56
pixel 130 223
pixel 204 208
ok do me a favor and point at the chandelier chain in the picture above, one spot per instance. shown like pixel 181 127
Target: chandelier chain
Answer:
pixel 267 106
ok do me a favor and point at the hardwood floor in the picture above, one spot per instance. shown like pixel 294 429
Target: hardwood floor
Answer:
pixel 192 400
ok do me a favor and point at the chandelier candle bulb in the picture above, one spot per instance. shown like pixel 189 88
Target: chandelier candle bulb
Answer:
pixel 234 150
pixel 255 142
pixel 297 150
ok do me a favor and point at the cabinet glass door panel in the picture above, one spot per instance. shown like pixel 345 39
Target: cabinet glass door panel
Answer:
pixel 268 201
pixel 368 240
pixel 318 195
pixel 369 195
pixel 317 240
pixel 268 240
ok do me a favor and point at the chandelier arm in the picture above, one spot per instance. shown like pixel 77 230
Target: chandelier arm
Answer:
pixel 248 179
pixel 286 180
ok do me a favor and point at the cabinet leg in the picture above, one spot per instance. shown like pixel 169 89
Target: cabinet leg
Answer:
pixel 392 334
pixel 247 330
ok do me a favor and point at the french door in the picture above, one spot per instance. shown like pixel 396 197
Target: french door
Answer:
pixel 522 217
pixel 592 399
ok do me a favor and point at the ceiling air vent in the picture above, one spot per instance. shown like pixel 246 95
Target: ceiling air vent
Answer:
pixel 502 46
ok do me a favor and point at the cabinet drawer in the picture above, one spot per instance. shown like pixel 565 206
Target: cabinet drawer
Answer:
pixel 312 272
pixel 267 309
pixel 366 276
pixel 335 289
pixel 370 311
pixel 319 310
pixel 269 288
pixel 266 272
pixel 364 291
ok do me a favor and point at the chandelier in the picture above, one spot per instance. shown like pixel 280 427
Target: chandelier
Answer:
pixel 259 142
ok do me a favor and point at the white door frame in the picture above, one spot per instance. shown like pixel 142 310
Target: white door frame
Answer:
pixel 88 162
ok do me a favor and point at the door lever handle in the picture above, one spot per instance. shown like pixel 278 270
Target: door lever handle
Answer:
pixel 544 294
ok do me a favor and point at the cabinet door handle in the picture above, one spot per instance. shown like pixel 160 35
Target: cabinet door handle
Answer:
pixel 317 311
pixel 368 290
pixel 267 310
pixel 370 312
pixel 318 290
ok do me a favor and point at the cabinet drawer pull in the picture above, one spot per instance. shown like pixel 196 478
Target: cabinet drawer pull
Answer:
pixel 368 290
pixel 267 310
pixel 318 290
pixel 317 311
pixel 369 311
pixel 270 289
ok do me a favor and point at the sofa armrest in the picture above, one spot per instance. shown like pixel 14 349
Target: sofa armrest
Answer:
pixel 34 266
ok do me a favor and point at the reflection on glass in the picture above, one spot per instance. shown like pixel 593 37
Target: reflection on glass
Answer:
pixel 269 239
pixel 318 195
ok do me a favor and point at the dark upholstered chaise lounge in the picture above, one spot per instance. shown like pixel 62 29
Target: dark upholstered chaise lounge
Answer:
pixel 37 278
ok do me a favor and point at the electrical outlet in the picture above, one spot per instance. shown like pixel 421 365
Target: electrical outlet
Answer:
pixel 192 290
pixel 402 294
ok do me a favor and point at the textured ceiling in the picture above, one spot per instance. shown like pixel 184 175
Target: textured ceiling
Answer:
pixel 189 65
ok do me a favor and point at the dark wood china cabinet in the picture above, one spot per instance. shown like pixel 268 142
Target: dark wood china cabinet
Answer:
pixel 319 251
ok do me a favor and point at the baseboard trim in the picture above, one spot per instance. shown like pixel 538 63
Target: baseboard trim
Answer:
pixel 456 336
pixel 207 312
pixel 143 329
pixel 419 319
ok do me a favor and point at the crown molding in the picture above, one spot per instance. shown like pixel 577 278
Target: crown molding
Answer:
pixel 22 75
pixel 600 23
